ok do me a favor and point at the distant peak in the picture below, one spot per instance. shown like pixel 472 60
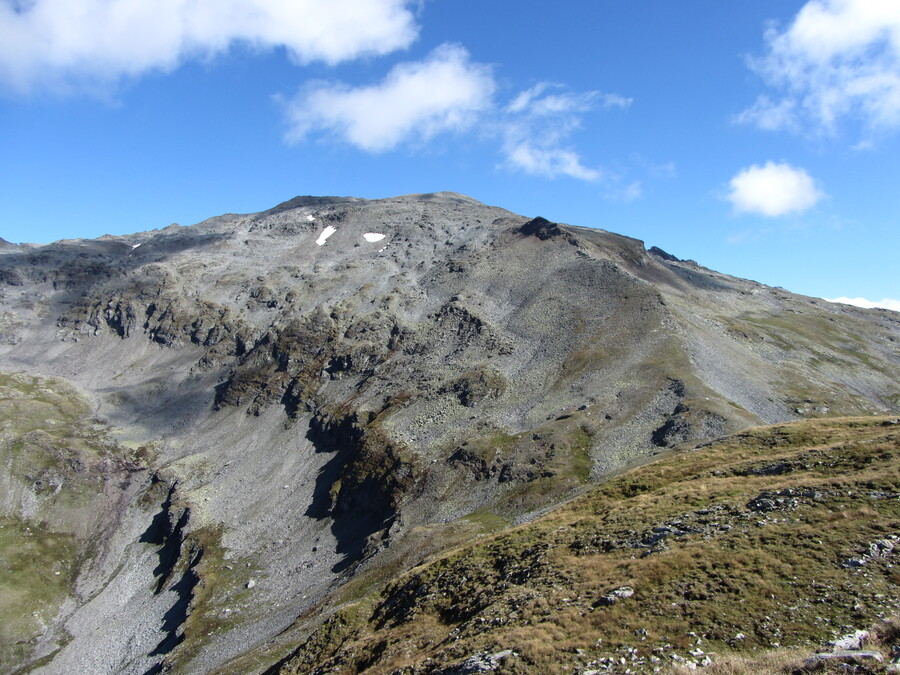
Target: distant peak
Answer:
pixel 659 253
pixel 442 196
pixel 310 200
pixel 302 201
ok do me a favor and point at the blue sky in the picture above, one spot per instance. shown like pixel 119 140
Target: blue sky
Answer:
pixel 758 137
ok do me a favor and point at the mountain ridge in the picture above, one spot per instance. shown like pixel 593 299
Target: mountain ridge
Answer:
pixel 314 407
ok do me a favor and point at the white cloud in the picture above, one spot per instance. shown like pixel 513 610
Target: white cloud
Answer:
pixel 534 103
pixel 838 59
pixel 885 303
pixel 632 191
pixel 416 100
pixel 90 45
pixel 537 124
pixel 773 190
pixel 550 161
pixel 87 43
pixel 658 170
pixel 448 92
pixel 771 116
pixel 616 101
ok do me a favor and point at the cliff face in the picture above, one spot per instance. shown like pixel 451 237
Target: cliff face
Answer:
pixel 336 386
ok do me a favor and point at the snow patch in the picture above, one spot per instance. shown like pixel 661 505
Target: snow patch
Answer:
pixel 134 246
pixel 310 218
pixel 373 236
pixel 327 232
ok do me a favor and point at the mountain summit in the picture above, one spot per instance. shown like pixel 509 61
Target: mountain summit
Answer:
pixel 214 430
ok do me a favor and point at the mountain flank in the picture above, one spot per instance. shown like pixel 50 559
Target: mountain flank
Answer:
pixel 790 542
pixel 239 425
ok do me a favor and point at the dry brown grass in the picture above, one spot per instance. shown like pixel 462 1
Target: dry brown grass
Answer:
pixel 775 577
pixel 780 662
pixel 884 637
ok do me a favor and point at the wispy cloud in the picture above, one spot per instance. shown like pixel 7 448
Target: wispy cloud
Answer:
pixel 615 101
pixel 773 190
pixel 449 92
pixel 653 168
pixel 632 191
pixel 78 44
pixel 416 101
pixel 91 45
pixel 885 303
pixel 537 124
pixel 748 235
pixel 542 158
pixel 837 60
pixel 536 103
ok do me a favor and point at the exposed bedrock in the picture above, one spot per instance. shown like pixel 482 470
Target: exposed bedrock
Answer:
pixel 338 386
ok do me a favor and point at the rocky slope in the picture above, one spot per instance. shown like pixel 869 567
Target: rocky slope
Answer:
pixel 791 542
pixel 299 399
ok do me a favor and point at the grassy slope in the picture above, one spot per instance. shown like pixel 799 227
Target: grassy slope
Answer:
pixel 56 461
pixel 733 548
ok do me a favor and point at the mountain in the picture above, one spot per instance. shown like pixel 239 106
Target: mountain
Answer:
pixel 792 540
pixel 213 433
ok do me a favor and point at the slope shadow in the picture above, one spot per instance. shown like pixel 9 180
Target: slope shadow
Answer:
pixel 167 538
pixel 74 266
pixel 351 527
pixel 177 614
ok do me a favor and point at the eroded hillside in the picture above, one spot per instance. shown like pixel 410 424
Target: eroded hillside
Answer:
pixel 777 537
pixel 339 387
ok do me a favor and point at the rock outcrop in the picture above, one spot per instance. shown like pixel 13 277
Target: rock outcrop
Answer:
pixel 336 386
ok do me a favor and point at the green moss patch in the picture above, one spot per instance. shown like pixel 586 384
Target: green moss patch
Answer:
pixel 37 568
pixel 60 465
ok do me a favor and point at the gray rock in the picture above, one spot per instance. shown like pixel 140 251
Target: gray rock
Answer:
pixel 611 598
pixel 247 357
pixel 881 548
pixel 853 641
pixel 479 663
pixel 848 656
